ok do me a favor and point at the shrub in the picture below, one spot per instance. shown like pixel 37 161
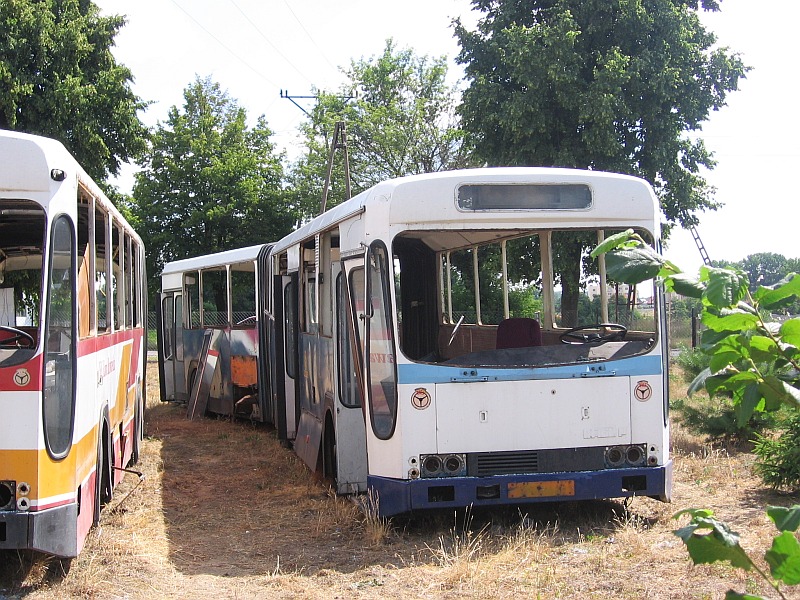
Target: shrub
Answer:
pixel 778 462
pixel 692 361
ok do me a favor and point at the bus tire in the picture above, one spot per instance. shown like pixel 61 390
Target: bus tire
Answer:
pixel 329 470
pixel 98 478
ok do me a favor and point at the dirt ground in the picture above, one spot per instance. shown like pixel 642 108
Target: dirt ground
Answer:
pixel 224 510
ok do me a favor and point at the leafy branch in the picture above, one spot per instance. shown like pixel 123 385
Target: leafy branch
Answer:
pixel 709 540
pixel 753 359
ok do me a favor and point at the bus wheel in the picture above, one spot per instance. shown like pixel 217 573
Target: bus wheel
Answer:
pixel 103 481
pixel 329 471
pixel 98 480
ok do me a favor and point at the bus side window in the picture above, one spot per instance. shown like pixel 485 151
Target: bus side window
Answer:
pixel 191 287
pixel 214 288
pixel 100 279
pixel 243 294
pixel 84 283
pixel 117 279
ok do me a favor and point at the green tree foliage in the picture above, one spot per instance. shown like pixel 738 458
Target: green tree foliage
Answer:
pixel 58 78
pixel 400 120
pixel 608 85
pixel 603 84
pixel 209 183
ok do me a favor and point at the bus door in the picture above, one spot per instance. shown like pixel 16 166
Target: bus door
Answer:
pixel 171 347
pixel 349 425
pixel 289 328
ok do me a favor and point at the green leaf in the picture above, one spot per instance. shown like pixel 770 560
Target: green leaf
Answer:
pixel 633 265
pixel 699 382
pixel 731 321
pixel 721 360
pixel 773 295
pixel 685 286
pixel 777 392
pixel 751 402
pixel 623 239
pixel 785 519
pixel 790 332
pixel 784 558
pixel 720 545
pixel 725 287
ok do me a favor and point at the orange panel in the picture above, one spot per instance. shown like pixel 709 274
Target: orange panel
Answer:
pixel 243 371
pixel 541 489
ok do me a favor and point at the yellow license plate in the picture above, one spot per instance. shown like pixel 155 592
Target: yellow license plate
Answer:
pixel 541 489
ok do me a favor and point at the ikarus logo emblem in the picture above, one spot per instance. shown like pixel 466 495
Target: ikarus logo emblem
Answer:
pixel 421 399
pixel 22 377
pixel 642 391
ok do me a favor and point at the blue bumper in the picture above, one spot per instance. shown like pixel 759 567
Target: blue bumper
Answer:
pixel 396 496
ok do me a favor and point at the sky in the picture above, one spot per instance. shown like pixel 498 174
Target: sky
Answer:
pixel 260 50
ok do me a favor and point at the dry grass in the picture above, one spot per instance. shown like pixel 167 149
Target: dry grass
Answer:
pixel 225 511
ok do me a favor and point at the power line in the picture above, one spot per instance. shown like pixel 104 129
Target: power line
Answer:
pixel 324 57
pixel 266 39
pixel 231 52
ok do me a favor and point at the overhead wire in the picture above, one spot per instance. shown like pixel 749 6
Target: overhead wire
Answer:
pixel 228 49
pixel 266 39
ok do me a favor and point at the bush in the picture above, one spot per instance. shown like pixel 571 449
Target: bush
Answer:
pixel 691 361
pixel 715 418
pixel 778 462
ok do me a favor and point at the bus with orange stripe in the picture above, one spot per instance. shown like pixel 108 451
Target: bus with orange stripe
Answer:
pixel 72 347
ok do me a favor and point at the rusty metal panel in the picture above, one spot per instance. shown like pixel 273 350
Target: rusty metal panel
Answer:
pixel 541 489
pixel 244 371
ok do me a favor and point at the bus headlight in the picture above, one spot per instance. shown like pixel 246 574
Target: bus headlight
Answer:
pixel 634 455
pixel 443 465
pixel 431 466
pixel 8 496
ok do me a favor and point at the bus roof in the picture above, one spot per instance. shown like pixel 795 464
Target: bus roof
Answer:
pixel 227 257
pixel 429 197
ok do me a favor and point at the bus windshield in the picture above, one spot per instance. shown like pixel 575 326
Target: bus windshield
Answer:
pixel 515 298
pixel 22 232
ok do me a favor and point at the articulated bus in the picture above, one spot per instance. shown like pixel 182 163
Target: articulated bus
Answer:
pixel 72 326
pixel 444 340
pixel 208 311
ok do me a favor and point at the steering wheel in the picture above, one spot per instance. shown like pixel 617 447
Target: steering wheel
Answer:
pixel 581 335
pixel 17 335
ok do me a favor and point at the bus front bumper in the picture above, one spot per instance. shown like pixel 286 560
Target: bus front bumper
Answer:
pixel 53 531
pixel 395 496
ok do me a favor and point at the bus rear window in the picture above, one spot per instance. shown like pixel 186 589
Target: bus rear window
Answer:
pixel 524 197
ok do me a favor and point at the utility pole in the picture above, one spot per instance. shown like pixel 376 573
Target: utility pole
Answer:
pixel 338 142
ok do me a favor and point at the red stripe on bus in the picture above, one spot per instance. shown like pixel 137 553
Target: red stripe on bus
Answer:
pixel 26 377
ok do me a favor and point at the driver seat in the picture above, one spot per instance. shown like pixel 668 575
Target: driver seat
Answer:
pixel 518 332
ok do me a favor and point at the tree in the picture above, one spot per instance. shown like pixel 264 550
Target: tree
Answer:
pixel 764 268
pixel 400 120
pixel 601 84
pixel 58 78
pixel 209 183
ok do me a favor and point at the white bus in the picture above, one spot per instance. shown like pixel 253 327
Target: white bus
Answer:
pixel 444 340
pixel 208 314
pixel 72 327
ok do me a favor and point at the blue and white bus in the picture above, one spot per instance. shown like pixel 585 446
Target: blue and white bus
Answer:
pixel 444 340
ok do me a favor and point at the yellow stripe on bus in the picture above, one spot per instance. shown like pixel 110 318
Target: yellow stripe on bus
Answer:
pixel 46 477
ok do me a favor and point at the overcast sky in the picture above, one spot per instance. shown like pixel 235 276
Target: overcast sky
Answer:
pixel 256 48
